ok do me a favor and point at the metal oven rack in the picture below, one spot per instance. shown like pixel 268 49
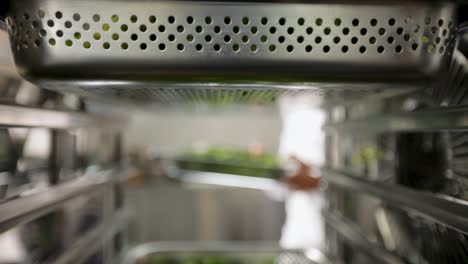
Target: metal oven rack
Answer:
pixel 78 215
pixel 396 174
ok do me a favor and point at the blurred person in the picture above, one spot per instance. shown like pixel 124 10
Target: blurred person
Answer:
pixel 302 145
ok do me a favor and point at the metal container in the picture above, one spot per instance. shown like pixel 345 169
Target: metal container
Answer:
pixel 217 251
pixel 105 47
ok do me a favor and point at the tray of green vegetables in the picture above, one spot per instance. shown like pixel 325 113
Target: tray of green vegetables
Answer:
pixel 231 161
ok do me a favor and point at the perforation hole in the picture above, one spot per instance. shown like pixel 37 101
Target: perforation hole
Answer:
pixel 190 38
pixel 133 19
pixel 308 48
pixel 96 18
pixel 77 35
pixel 337 22
pixel 68 24
pixel 282 21
pixel 180 47
pixel 152 19
pixel 153 37
pixel 355 22
pixel 171 38
pixel 363 31
pixel 180 28
pixel 300 39
pixel 208 38
pixel 199 29
pixel 217 47
pixel 290 30
pixel 373 22
pixel 441 50
pixel 254 30
pixel 59 33
pixel 272 48
pixel 40 13
pixel 398 49
pixel 264 21
pixel 326 49
pixel 414 46
pixel 217 29
pixel 134 37
pixel 372 40
pixel 327 31
pixel 336 40
pixel 106 45
pixel 272 30
pixel 354 40
pixel 97 36
pixel 441 22
pixel 190 20
pixel 382 31
pixel 162 28
pixel 235 47
pixel 162 46
pixel 390 40
pixel 52 42
pixel 345 31
pixel 115 36
pixel 253 48
pixel 227 20
pixel 227 38
pixel 42 33
pixel 290 48
pixel 362 49
pixel 391 21
pixel 318 40
pixel 143 46
pixel 399 31
pixel 319 21
pixel 58 15
pixel 301 21
pixel 434 30
pixel 50 23
pixel 86 45
pixel 143 28
pixel 105 27
pixel 245 21
pixel 86 26
pixel 236 30
pixel 281 39
pixel 124 46
pixel 35 24
pixel 407 37
pixel 37 43
pixel 115 18
pixel 380 49
pixel 437 40
pixel 208 20
pixel 309 30
pixel 245 39
pixel 427 20
pixel 345 49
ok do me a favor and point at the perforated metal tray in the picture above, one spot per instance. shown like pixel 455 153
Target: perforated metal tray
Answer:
pixel 234 252
pixel 87 45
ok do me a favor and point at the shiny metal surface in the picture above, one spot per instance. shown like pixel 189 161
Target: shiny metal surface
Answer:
pixel 249 250
pixel 29 207
pixel 224 43
pixel 19 116
pixel 93 240
pixel 449 211
pixel 352 233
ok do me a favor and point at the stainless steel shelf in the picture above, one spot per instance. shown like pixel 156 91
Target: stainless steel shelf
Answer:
pixel 20 116
pixel 351 232
pixel 450 118
pixel 445 210
pixel 30 207
pixel 93 240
